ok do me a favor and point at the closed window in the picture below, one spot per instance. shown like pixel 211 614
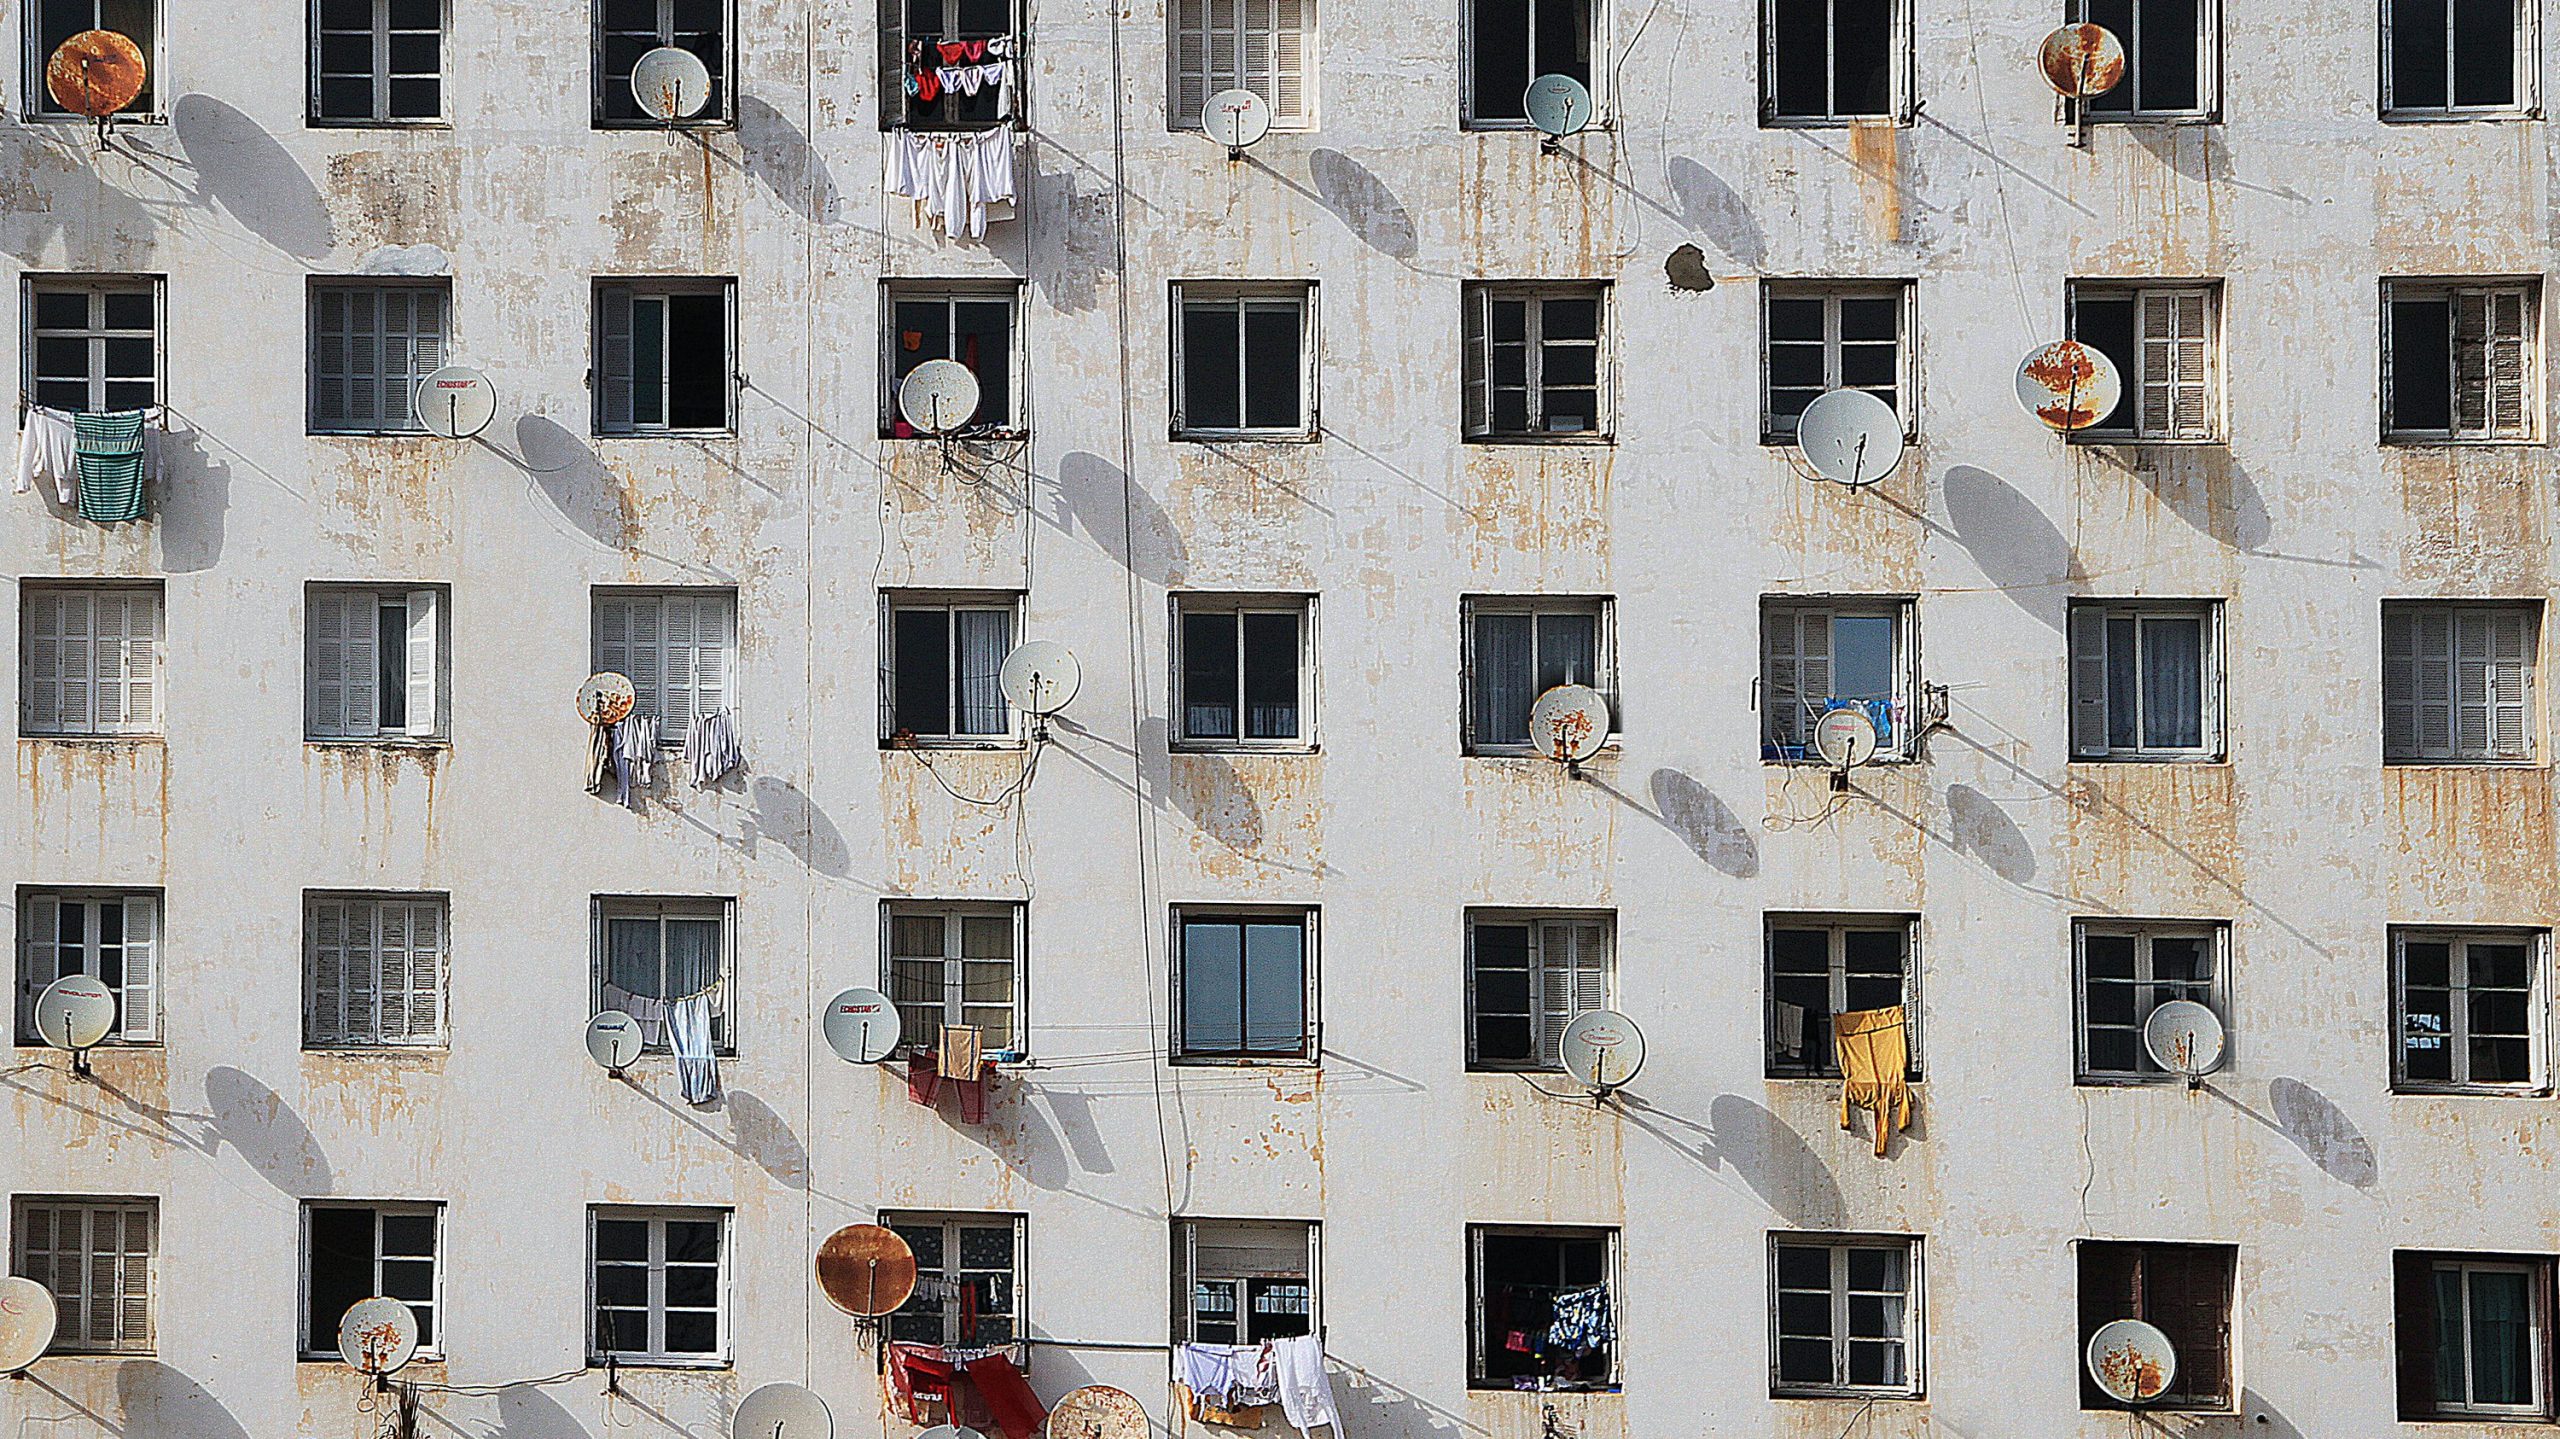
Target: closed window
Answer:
pixel 50 22
pixel 1265 46
pixel 1245 358
pixel 1243 1281
pixel 375 970
pixel 1246 986
pixel 98 1258
pixel 1822 966
pixel 1516 650
pixel 354 1252
pixel 373 665
pixel 2469 1009
pixel 95 343
pixel 2166 344
pixel 2146 680
pixel 2185 1291
pixel 1818 655
pixel 629 29
pixel 370 346
pixel 678 647
pixel 2128 969
pixel 1829 337
pixel 1830 60
pixel 663 356
pixel 2172 58
pixel 1542 1307
pixel 89 660
pixel 956 964
pixel 943 671
pixel 2461 361
pixel 1536 361
pixel 968 1280
pixel 972 326
pixel 912 36
pixel 2473 1335
pixel 654 954
pixel 1528 975
pixel 2457 682
pixel 377 62
pixel 661 1286
pixel 1242 670
pixel 2448 58
pixel 112 937
pixel 1844 1315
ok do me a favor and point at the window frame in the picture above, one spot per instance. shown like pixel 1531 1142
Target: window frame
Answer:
pixel 2455 610
pixel 949 603
pixel 671 737
pixel 382 74
pixel 437 730
pixel 1914 1315
pixel 350 1038
pixel 2426 1267
pixel 661 289
pixel 1310 1048
pixel 896 291
pixel 657 1217
pixel 1837 926
pixel 1187 1278
pixel 892 37
pixel 1479 1331
pixel 96 332
pixel 1538 921
pixel 324 1347
pixel 2528 74
pixel 1475 367
pixel 1296 297
pixel 1186 94
pixel 1601 609
pixel 38 106
pixel 2208 107
pixel 1775 431
pixel 2452 290
pixel 1902 746
pixel 606 908
pixel 955 1004
pixel 373 291
pixel 2538 989
pixel 2215 932
pixel 2213 677
pixel 2216 429
pixel 724 76
pixel 1901 103
pixel 152 726
pixel 126 1033
pixel 1300 607
pixel 952 1222
pixel 70 1338
pixel 1598 39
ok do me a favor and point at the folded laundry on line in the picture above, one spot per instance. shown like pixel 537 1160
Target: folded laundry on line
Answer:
pixel 959 181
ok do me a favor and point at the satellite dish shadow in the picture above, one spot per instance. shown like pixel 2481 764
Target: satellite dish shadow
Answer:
pixel 253 178
pixel 2306 1118
pixel 788 817
pixel 1709 206
pixel 574 479
pixel 1209 793
pixel 1760 1149
pixel 765 1137
pixel 2011 541
pixel 1362 201
pixel 195 503
pixel 778 154
pixel 1980 828
pixel 153 1398
pixel 1090 491
pixel 256 1121
pixel 1706 824
pixel 527 1413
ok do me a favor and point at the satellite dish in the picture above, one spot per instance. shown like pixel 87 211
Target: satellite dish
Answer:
pixel 2082 60
pixel 1098 1411
pixel 782 1411
pixel 1558 105
pixel 938 396
pixel 96 73
pixel 1569 723
pixel 377 1336
pixel 1602 1048
pixel 75 1012
pixel 1845 738
pixel 456 403
pixel 1850 436
pixel 861 1026
pixel 951 1431
pixel 2184 1038
pixel 866 1271
pixel 606 698
pixel 27 1321
pixel 1040 676
pixel 670 84
pixel 613 1039
pixel 2069 385
pixel 1236 119
pixel 2132 1361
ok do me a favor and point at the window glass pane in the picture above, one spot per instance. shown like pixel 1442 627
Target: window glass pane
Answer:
pixel 1272 368
pixel 1802 71
pixel 923 679
pixel 622 1239
pixel 692 1241
pixel 2484 52
pixel 1503 680
pixel 130 310
pixel 2426 1011
pixel 1209 676
pixel 1275 988
pixel 648 358
pixel 341 1269
pixel 1213 986
pixel 2451 1365
pixel 982 333
pixel 1500 57
pixel 62 309
pixel 1874 968
pixel 1795 318
pixel 1271 659
pixel 2106 322
pixel 2124 682
pixel 2172 683
pixel 697 362
pixel 2502 1356
pixel 1862 58
pixel 2418 52
pixel 2165 63
pixel 409 1234
pixel 1211 399
pixel 1862 657
pixel 983 637
pixel 693 1332
pixel 1568 650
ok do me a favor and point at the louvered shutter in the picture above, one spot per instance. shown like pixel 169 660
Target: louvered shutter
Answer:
pixel 1778 666
pixel 2435 698
pixel 1226 44
pixel 327 948
pixel 2496 658
pixel 613 633
pixel 889 24
pixel 2176 368
pixel 35 1253
pixel 2471 362
pixel 424 719
pixel 136 653
pixel 647 615
pixel 40 941
pixel 1479 361
pixel 426 971
pixel 75 657
pixel 2510 360
pixel 1289 99
pixel 715 653
pixel 364 359
pixel 683 627
pixel 425 354
pixel 1813 671
pixel 140 1018
pixel 1190 60
pixel 614 358
pixel 41 702
pixel 391 970
pixel 2088 680
pixel 1254 36
pixel 2399 683
pixel 133 1278
pixel 343 672
pixel 111 661
pixel 324 661
pixel 364 972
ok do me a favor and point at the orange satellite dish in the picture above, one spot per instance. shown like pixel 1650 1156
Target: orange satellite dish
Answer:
pixel 866 1271
pixel 96 73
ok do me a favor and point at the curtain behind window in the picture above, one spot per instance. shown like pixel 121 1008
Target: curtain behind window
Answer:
pixel 1503 679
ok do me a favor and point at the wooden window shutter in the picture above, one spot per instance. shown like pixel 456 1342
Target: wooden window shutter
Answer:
pixel 1813 670
pixel 77 663
pixel 139 1016
pixel 2399 683
pixel 1226 44
pixel 2193 372
pixel 324 665
pixel 424 355
pixel 682 628
pixel 422 664
pixel 643 658
pixel 2510 364
pixel 2510 665
pixel 1289 98
pixel 42 666
pixel 326 946
pixel 890 24
pixel 40 941
pixel 1479 360
pixel 2110 1289
pixel 2088 680
pixel 2471 407
pixel 392 963
pixel 133 1277
pixel 1190 60
pixel 426 970
pixel 1783 702
pixel 329 361
pixel 2158 344
pixel 2413 1332
pixel 2435 700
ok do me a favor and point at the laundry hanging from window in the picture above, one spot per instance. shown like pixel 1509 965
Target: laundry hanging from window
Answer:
pixel 959 182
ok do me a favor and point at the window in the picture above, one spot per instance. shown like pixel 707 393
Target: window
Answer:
pixel 663 352
pixel 2146 680
pixel 1510 43
pixel 375 970
pixel 1242 674
pixel 1829 337
pixel 1842 1314
pixel 1535 361
pixel 973 326
pixel 1264 46
pixel 629 29
pixel 653 953
pixel 95 343
pixel 679 648
pixel 1526 1283
pixel 2473 1335
pixel 2469 1009
pixel 2184 1290
pixel 925 25
pixel 2172 58
pixel 2166 344
pixel 1245 359
pixel 956 964
pixel 353 1252
pixel 943 668
pixel 1818 655
pixel 1243 1281
pixel 377 62
pixel 370 346
pixel 2461 361
pixel 1825 966
pixel 2127 970
pixel 2448 58
pixel 1247 985
pixel 1517 650
pixel 97 1256
pixel 371 664
pixel 968 1280
pixel 54 21
pixel 1527 977
pixel 91 657
pixel 112 937
pixel 1831 60
pixel 2457 682
pixel 661 1286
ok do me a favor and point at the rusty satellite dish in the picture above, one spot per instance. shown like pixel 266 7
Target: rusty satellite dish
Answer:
pixel 28 1319
pixel 2068 385
pixel 96 73
pixel 670 84
pixel 2184 1038
pixel 606 698
pixel 866 1271
pixel 1569 723
pixel 2132 1362
pixel 377 1336
pixel 2082 60
pixel 1098 1411
pixel 782 1411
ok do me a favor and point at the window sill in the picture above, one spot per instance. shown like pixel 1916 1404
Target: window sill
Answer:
pixel 628 1361
pixel 725 122
pixel 728 433
pixel 1182 436
pixel 951 746
pixel 2163 118
pixel 112 1046
pixel 2121 441
pixel 1487 1386
pixel 314 432
pixel 336 742
pixel 1831 122
pixel 1843 1391
pixel 1609 749
pixel 2407 1090
pixel 153 740
pixel 2143 757
pixel 1769 761
pixel 2461 764
pixel 1282 748
pixel 2164 1406
pixel 1772 440
pixel 1914 1077
pixel 1018 1061
pixel 2422 441
pixel 437 1050
pixel 1245 1061
pixel 1591 438
pixel 48 118
pixel 1008 435
pixel 2086 1080
pixel 2459 117
pixel 432 1358
pixel 323 122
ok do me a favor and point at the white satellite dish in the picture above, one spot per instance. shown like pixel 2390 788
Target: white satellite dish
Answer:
pixel 951 1431
pixel 2068 385
pixel 2185 1038
pixel 1557 105
pixel 861 1026
pixel 1850 436
pixel 1236 119
pixel 1602 1048
pixel 1569 723
pixel 2081 60
pixel 27 1321
pixel 2132 1362
pixel 76 1013
pixel 1040 677
pixel 670 84
pixel 782 1411
pixel 938 396
pixel 1845 738
pixel 377 1336
pixel 456 402
pixel 613 1040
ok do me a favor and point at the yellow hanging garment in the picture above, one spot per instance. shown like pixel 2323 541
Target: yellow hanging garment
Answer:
pixel 1875 1066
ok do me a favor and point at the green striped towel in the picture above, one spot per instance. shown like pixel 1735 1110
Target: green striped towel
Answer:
pixel 110 451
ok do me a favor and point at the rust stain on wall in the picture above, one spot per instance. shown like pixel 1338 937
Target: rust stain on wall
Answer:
pixel 950 842
pixel 1250 816
pixel 2153 838
pixel 2476 516
pixel 955 519
pixel 2474 841
pixel 1875 149
pixel 1536 505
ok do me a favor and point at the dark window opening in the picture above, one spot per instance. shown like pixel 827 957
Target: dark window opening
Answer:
pixel 2184 1290
pixel 630 29
pixel 1240 673
pixel 2165 56
pixel 935 43
pixel 2469 1335
pixel 2453 55
pixel 1544 1314
pixel 2105 323
pixel 977 332
pixel 1817 971
pixel 1830 59
pixel 1516 41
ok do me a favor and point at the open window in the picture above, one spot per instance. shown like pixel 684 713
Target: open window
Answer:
pixel 1244 361
pixel 1243 1281
pixel 629 29
pixel 50 22
pixel 94 342
pixel 968 1280
pixel 1844 1315
pixel 950 64
pixel 942 669
pixel 2460 59
pixel 378 62
pixel 2146 680
pixel 955 964
pixel 2128 968
pixel 1517 648
pixel 1245 986
pixel 1510 43
pixel 2165 340
pixel 112 936
pixel 1537 361
pixel 665 356
pixel 1543 1307
pixel 354 1252
pixel 373 663
pixel 1528 975
pixel 2183 1290
pixel 1826 965
pixel 1243 671
pixel 2172 58
pixel 1833 61
pixel 2473 1334
pixel 2458 682
pixel 653 954
pixel 1822 654
pixel 973 323
pixel 2461 360
pixel 2468 1006
pixel 1829 337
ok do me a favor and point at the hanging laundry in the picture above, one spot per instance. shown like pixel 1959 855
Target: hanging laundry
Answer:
pixel 958 181
pixel 1874 1049
pixel 599 757
pixel 1306 1391
pixel 635 756
pixel 1787 1022
pixel 963 1053
pixel 928 86
pixel 49 450
pixel 1581 1322
pixel 1016 1410
pixel 110 451
pixel 689 1035
pixel 711 748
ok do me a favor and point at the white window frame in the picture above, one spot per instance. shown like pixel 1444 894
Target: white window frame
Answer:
pixel 2525 294
pixel 2145 981
pixel 955 1007
pixel 135 671
pixel 631 293
pixel 2158 352
pixel 950 603
pixel 2528 73
pixel 1602 97
pixel 724 76
pixel 1547 928
pixel 1602 610
pixel 75 1335
pixel 422 610
pixel 1899 109
pixel 653 690
pixel 653 1354
pixel 95 332
pixel 394 379
pixel 362 1031
pixel 2538 1286
pixel 604 909
pixel 1781 430
pixel 138 1000
pixel 952 1222
pixel 2090 690
pixel 1613 1277
pixel 325 1346
pixel 2457 1040
pixel 2491 676
pixel 1901 746
pixel 1311 1036
pixel 948 293
pixel 2208 104
pixel 1302 608
pixel 1914 1314
pixel 1206 58
pixel 381 74
pixel 1478 298
pixel 39 105
pixel 1837 928
pixel 1297 297
pixel 1187 1277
